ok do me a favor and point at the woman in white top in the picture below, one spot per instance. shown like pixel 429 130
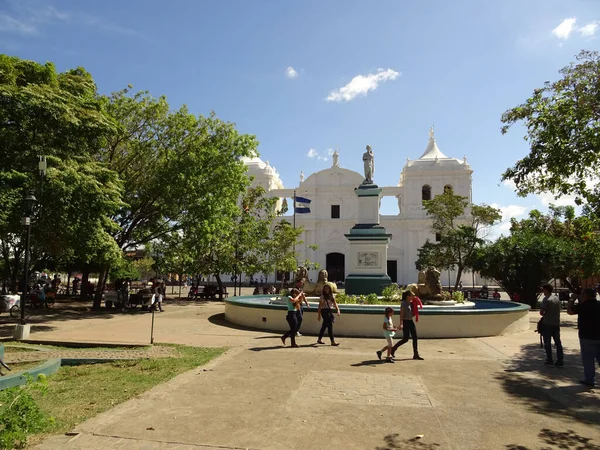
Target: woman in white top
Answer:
pixel 327 304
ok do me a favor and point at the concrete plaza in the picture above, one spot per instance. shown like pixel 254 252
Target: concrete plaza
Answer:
pixel 486 393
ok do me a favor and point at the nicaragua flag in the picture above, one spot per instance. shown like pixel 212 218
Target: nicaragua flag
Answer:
pixel 302 205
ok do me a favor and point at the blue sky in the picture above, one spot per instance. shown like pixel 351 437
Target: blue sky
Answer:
pixel 286 71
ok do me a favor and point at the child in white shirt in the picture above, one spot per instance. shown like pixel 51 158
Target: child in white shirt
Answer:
pixel 389 330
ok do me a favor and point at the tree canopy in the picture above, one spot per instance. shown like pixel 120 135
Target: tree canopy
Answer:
pixel 124 171
pixel 542 247
pixel 60 115
pixel 461 228
pixel 562 120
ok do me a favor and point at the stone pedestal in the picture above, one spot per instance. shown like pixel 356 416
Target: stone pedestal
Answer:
pixel 367 258
pixel 22 332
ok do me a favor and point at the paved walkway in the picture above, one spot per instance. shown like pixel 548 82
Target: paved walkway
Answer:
pixel 488 393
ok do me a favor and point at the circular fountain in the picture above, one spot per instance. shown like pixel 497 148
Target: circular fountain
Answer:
pixel 478 318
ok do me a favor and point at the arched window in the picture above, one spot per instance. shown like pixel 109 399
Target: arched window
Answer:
pixel 448 189
pixel 426 192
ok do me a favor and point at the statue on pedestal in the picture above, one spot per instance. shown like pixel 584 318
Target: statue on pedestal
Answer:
pixel 336 156
pixel 369 163
pixel 311 288
pixel 301 176
pixel 428 286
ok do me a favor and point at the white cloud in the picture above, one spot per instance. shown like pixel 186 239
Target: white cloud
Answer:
pixel 29 18
pixel 25 17
pixel 361 84
pixel 547 198
pixel 510 211
pixel 590 29
pixel 312 153
pixel 108 27
pixel 565 200
pixel 10 24
pixel 330 152
pixel 290 72
pixel 565 28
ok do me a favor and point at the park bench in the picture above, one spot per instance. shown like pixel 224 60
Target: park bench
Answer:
pixel 212 292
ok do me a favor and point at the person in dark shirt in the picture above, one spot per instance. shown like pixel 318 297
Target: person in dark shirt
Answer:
pixel 550 312
pixel 588 322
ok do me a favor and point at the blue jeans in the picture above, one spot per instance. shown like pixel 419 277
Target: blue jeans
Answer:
pixel 590 351
pixel 549 333
pixel 409 329
pixel 300 315
pixel 292 320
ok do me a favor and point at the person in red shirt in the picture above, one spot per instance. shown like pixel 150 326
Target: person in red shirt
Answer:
pixel 496 294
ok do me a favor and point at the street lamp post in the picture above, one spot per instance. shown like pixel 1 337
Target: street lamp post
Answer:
pixel 28 204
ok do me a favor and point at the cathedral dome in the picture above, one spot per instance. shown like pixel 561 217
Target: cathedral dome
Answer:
pixel 264 174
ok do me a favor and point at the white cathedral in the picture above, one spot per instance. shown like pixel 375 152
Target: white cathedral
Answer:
pixel 334 209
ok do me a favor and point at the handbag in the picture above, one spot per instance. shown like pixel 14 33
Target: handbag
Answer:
pixel 540 329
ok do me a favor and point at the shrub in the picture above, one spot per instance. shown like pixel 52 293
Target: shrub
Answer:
pixel 391 293
pixel 458 296
pixel 371 299
pixel 20 415
pixel 343 298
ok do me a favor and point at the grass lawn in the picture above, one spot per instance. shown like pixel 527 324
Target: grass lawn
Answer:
pixel 77 393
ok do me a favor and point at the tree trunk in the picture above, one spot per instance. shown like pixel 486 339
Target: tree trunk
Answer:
pixel 68 282
pixel 85 277
pixel 13 282
pixel 14 273
pixel 102 277
pixel 220 285
pixel 459 271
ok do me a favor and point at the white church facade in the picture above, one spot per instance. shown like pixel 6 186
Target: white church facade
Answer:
pixel 334 209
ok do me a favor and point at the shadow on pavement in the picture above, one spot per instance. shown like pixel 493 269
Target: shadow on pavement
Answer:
pixel 280 347
pixel 219 319
pixel 393 441
pixel 184 301
pixel 370 362
pixel 377 362
pixel 7 330
pixel 568 440
pixel 550 390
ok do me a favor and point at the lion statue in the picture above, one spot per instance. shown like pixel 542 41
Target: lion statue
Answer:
pixel 428 285
pixel 311 288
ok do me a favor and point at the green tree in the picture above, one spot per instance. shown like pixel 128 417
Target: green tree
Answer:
pixel 520 263
pixel 174 256
pixel 59 115
pixel 252 230
pixel 434 255
pixel 563 132
pixel 178 169
pixel 79 237
pixel 461 227
pixel 542 247
pixel 236 239
pixel 282 254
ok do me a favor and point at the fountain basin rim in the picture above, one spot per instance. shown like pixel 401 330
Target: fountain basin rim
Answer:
pixel 498 307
